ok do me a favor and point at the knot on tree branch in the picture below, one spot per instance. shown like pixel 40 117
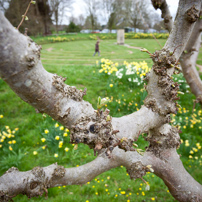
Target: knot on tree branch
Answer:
pixel 59 172
pixel 167 19
pixel 192 14
pixel 138 170
pixel 163 138
pixel 163 60
pixel 68 91
pixel 97 132
pixel 33 55
pixel 157 3
pixel 169 88
pixel 4 197
pixel 162 101
pixel 12 169
pixel 37 185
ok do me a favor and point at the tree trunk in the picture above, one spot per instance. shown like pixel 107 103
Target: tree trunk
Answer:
pixel 190 54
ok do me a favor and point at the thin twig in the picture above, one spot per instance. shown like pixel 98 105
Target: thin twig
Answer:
pixel 176 48
pixel 144 180
pixel 24 15
pixel 157 40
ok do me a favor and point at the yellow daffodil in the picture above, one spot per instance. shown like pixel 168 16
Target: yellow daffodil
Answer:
pixel 43 139
pixel 46 131
pixel 66 149
pixel 61 127
pixel 56 125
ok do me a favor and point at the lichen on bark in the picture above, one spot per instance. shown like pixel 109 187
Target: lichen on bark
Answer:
pixel 98 133
pixel 165 137
pixel 162 101
pixel 69 91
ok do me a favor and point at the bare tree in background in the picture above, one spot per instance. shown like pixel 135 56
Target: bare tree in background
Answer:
pixel 112 138
pixel 107 7
pixel 58 7
pixel 140 14
pixel 81 20
pixel 114 12
pixel 92 9
pixel 127 13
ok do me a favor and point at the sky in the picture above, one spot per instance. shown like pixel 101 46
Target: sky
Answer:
pixel 79 7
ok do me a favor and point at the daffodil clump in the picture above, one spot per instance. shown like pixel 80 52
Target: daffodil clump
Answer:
pixel 60 39
pixel 131 35
pixel 11 151
pixel 187 119
pixel 133 72
pixel 146 35
pixel 107 66
pixel 7 138
pixel 194 154
pixel 55 140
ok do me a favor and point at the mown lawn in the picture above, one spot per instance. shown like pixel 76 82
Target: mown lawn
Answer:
pixel 74 61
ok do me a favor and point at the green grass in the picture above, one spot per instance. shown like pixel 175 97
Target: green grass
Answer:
pixel 74 61
pixel 81 52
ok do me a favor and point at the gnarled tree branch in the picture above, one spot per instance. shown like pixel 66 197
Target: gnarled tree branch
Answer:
pixel 190 54
pixel 21 68
pixel 163 6
pixel 188 60
pixel 187 14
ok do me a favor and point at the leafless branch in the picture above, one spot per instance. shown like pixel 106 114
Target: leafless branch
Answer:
pixel 21 68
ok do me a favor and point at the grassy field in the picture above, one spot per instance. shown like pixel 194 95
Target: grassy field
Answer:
pixel 74 61
pixel 81 52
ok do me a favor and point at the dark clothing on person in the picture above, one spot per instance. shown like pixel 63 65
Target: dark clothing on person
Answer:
pixel 97 49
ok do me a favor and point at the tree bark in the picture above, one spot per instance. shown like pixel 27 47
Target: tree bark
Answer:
pixel 163 6
pixel 113 138
pixel 188 61
pixel 190 54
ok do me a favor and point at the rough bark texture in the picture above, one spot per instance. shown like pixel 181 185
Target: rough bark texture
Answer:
pixel 187 14
pixel 188 60
pixel 21 68
pixel 163 6
pixel 190 54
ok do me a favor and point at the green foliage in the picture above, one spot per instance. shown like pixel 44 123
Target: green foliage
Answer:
pixel 12 158
pixel 72 27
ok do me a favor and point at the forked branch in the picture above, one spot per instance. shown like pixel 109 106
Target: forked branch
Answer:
pixel 21 68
